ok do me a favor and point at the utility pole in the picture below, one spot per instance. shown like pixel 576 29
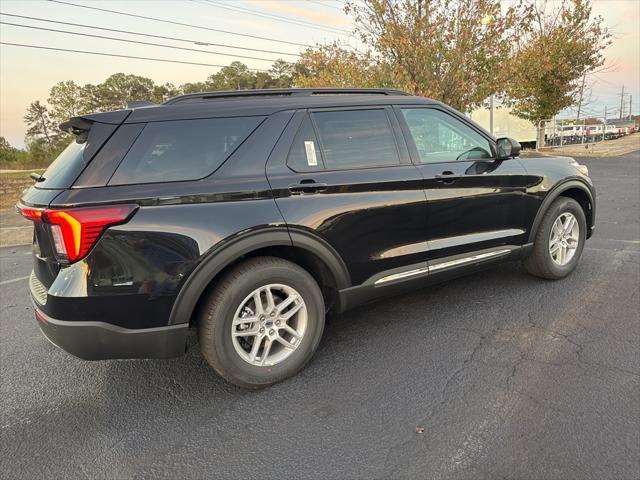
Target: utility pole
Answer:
pixel 622 103
pixel 491 114
pixel 630 97
pixel 581 95
pixel 604 129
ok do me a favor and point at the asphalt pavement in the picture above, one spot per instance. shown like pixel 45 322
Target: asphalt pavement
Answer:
pixel 495 375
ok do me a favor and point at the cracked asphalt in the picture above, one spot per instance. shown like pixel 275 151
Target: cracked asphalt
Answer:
pixel 509 376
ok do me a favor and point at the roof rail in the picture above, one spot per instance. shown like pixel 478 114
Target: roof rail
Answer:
pixel 139 103
pixel 275 92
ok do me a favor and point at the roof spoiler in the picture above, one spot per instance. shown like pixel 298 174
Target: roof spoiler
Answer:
pixel 81 126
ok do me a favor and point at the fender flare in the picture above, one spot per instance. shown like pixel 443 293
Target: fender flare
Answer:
pixel 554 193
pixel 228 251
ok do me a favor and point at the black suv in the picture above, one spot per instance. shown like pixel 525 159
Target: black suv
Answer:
pixel 249 215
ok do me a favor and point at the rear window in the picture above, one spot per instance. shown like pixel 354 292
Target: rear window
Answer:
pixel 182 149
pixel 65 168
pixel 356 139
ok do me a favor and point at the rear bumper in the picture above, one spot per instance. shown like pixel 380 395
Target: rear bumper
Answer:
pixel 102 341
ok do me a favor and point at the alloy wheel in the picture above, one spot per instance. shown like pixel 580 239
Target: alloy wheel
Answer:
pixel 564 238
pixel 269 325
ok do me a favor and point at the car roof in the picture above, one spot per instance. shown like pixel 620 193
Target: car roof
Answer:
pixel 266 102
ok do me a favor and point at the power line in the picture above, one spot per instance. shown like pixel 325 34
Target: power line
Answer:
pixel 325 5
pixel 272 16
pixel 103 54
pixel 176 39
pixel 139 42
pixel 180 23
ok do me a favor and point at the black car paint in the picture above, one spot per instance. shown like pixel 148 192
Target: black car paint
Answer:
pixel 150 271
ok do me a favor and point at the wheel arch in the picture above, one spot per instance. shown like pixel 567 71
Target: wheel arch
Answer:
pixel 575 189
pixel 303 248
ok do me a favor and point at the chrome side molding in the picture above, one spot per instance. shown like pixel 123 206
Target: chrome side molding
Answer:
pixel 473 258
pixel 398 276
pixel 440 266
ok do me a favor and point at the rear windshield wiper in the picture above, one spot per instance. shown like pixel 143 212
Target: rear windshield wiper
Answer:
pixel 37 177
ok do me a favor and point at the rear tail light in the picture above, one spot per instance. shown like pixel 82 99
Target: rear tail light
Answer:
pixel 75 231
pixel 33 214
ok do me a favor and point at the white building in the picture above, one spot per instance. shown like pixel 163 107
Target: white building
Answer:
pixel 506 124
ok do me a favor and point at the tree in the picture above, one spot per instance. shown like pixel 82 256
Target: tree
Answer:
pixel 117 90
pixel 67 99
pixel 557 50
pixel 450 50
pixel 39 125
pixel 334 66
pixel 9 155
pixel 5 146
pixel 282 73
pixel 236 76
pixel 194 87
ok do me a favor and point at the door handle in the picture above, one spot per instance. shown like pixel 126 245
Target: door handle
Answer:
pixel 446 177
pixel 307 186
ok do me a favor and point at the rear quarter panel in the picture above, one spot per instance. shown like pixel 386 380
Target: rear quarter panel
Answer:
pixel 134 273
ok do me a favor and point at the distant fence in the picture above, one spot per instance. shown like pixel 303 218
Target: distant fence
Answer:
pixel 558 133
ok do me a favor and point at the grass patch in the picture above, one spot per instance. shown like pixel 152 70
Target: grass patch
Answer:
pixel 12 185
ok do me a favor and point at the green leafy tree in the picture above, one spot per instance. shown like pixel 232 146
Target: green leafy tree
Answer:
pixel 40 126
pixel 236 76
pixel 194 87
pixel 282 73
pixel 164 92
pixel 449 50
pixel 560 46
pixel 39 151
pixel 117 90
pixel 7 152
pixel 11 157
pixel 67 99
pixel 5 146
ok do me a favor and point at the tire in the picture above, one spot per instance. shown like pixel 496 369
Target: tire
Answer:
pixel 541 262
pixel 233 297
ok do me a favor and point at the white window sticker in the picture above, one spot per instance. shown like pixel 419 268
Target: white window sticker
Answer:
pixel 310 150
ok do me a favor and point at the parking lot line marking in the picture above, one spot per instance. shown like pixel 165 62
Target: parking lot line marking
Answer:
pixel 5 282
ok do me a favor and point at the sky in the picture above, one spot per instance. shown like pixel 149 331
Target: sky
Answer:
pixel 27 74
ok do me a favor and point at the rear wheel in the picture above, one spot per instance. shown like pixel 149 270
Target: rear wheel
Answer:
pixel 262 322
pixel 559 240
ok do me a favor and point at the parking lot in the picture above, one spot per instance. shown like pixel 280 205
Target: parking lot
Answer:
pixel 496 375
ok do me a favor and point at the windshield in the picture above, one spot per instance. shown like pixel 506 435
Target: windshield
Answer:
pixel 64 169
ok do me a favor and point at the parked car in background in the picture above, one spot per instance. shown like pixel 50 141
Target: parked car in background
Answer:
pixel 249 215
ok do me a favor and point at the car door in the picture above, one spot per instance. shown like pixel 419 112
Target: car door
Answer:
pixel 344 175
pixel 474 202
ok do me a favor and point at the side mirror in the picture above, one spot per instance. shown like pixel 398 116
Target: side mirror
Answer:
pixel 507 148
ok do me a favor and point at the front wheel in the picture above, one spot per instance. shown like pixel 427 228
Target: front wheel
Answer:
pixel 262 322
pixel 559 240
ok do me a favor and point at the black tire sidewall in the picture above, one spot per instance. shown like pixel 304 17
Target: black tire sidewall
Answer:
pixel 560 206
pixel 228 361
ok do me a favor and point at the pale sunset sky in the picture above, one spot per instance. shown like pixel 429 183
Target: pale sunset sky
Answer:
pixel 28 74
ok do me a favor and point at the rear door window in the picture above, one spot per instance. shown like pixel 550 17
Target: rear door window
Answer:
pixel 182 149
pixel 305 155
pixel 356 138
